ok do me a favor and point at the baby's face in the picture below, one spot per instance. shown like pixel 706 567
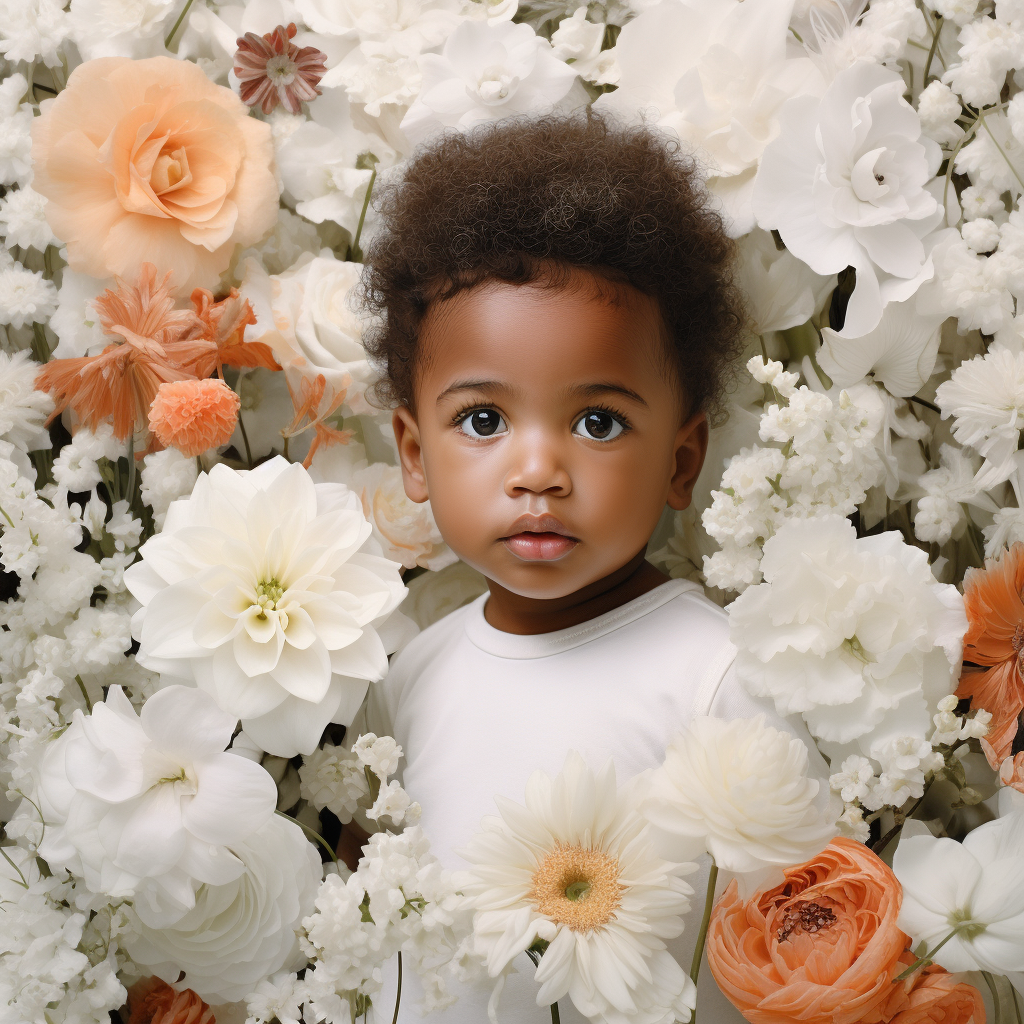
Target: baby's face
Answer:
pixel 548 433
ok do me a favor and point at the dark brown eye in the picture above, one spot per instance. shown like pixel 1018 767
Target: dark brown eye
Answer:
pixel 598 426
pixel 483 423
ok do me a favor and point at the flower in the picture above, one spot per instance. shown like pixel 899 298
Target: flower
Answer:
pixel 262 590
pixel 271 69
pixel 848 632
pixel 26 297
pixel 255 917
pixel 486 70
pixel 194 415
pixel 333 777
pixel 121 382
pixel 968 896
pixel 23 219
pixel 578 40
pixel 1011 772
pixel 899 352
pixel 166 476
pixel 940 997
pixel 22 408
pixel 717 74
pixel 824 947
pixel 120 28
pixel 844 183
pixel 223 323
pixel 739 790
pixel 150 805
pixel 985 397
pixel 994 601
pixel 149 160
pixel 576 868
pixel 152 1001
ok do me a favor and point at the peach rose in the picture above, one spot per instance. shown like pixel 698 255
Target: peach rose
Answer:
pixel 938 998
pixel 152 1001
pixel 823 948
pixel 149 160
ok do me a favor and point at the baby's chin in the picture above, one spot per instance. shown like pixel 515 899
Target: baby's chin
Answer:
pixel 541 579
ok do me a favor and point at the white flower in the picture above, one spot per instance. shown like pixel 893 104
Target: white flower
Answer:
pixel 33 30
pixel 333 777
pixel 852 824
pixel 258 591
pixel 395 803
pixel 166 476
pixel 981 201
pixel 23 219
pixel 26 296
pixel 994 157
pixel 971 287
pixel 100 636
pixel 740 790
pixel 899 351
pixel 845 185
pixel 906 761
pixel 972 891
pixel 981 234
pixel 717 72
pixel 486 71
pixel 405 530
pixel 23 410
pixel 578 41
pixel 1007 528
pixel 256 919
pixel 121 28
pixel 149 805
pixel 854 780
pixel 15 131
pixel 75 321
pixel 847 631
pixel 278 998
pixel 76 467
pixel 380 754
pixel 780 291
pixel 878 36
pixel 940 514
pixel 576 868
pixel 985 397
pixel 938 109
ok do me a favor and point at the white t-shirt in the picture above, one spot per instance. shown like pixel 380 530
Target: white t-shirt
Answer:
pixel 477 711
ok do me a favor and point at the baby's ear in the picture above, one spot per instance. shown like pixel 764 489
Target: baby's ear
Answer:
pixel 691 447
pixel 407 436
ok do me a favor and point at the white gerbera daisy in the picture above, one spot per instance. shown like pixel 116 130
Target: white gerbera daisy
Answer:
pixel 574 873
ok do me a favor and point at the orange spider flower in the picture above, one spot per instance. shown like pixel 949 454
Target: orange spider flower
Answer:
pixel 151 348
pixel 313 406
pixel 194 415
pixel 992 647
pixel 224 324
pixel 152 1001
pixel 271 69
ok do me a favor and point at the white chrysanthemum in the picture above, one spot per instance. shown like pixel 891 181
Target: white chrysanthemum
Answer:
pixel 740 791
pixel 261 590
pixel 23 410
pixel 985 397
pixel 150 805
pixel 26 297
pixel 576 869
pixel 23 219
pixel 239 932
pixel 847 631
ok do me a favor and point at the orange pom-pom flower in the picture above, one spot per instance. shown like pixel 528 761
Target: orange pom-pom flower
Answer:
pixel 194 415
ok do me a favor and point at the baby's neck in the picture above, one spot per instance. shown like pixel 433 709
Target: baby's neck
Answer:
pixel 513 613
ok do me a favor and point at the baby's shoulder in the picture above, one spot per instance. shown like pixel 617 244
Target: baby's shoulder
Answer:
pixel 434 641
pixel 689 617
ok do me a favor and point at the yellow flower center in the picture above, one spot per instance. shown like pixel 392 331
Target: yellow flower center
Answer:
pixel 577 887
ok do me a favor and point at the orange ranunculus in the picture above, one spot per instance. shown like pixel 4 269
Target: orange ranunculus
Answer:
pixel 152 1001
pixel 938 998
pixel 150 160
pixel 820 948
pixel 995 637
pixel 194 415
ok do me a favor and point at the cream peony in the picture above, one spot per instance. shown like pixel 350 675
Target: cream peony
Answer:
pixel 148 806
pixel 576 868
pixel 148 160
pixel 716 72
pixel 854 634
pixel 740 791
pixel 242 931
pixel 846 183
pixel 266 590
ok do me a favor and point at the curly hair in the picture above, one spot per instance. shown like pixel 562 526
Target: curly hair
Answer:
pixel 512 198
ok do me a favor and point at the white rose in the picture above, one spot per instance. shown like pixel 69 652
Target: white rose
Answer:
pixel 256 919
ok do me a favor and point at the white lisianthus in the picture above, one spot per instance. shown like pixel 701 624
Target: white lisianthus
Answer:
pixel 405 529
pixel 844 183
pixel 717 72
pixel 853 633
pixel 241 931
pixel 149 806
pixel 968 897
pixel 740 791
pixel 265 589
pixel 487 70
pixel 576 868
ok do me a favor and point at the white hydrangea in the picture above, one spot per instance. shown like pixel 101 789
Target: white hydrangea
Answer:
pixel 100 636
pixel 906 762
pixel 26 296
pixel 23 219
pixel 852 824
pixel 166 476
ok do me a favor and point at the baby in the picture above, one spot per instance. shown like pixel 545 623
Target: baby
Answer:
pixel 556 318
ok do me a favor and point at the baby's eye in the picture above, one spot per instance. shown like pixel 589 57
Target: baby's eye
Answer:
pixel 598 426
pixel 483 423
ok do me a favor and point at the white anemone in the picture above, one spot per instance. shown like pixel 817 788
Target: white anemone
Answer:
pixel 576 869
pixel 266 590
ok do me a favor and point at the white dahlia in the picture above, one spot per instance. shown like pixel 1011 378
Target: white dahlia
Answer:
pixel 574 873
pixel 266 590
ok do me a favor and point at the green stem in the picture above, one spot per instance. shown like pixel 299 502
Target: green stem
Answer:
pixel 312 833
pixel 927 959
pixel 131 468
pixel 1016 1006
pixel 356 252
pixel 398 993
pixel 85 694
pixel 3 512
pixel 177 24
pixel 997 1014
pixel 931 53
pixel 709 902
pixel 555 1019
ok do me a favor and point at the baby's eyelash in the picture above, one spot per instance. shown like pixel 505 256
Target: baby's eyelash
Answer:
pixel 467 410
pixel 611 411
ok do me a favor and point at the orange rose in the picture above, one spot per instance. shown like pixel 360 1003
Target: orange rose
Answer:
pixel 152 1001
pixel 148 160
pixel 823 948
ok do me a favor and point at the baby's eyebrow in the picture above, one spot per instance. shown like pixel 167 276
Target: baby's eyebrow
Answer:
pixel 603 388
pixel 492 386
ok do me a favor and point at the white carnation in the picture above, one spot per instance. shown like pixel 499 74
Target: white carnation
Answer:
pixel 26 297
pixel 23 219
pixel 23 410
pixel 32 30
